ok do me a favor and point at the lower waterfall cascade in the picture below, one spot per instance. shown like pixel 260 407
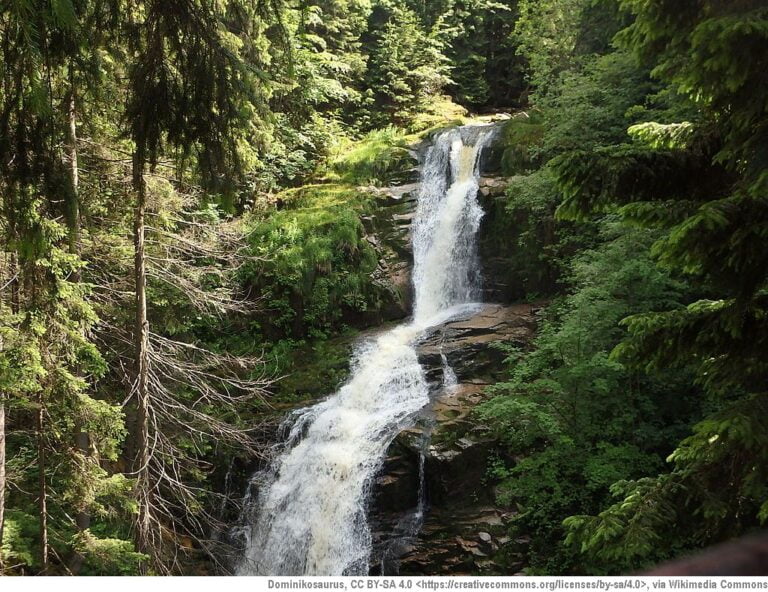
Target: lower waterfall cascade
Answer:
pixel 310 514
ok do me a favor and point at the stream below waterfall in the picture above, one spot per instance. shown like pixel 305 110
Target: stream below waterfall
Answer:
pixel 310 514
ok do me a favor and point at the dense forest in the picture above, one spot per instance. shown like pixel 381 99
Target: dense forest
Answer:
pixel 186 189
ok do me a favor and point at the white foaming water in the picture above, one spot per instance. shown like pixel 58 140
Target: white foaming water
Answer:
pixel 310 515
pixel 450 380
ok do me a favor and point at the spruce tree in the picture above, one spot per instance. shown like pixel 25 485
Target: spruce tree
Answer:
pixel 703 181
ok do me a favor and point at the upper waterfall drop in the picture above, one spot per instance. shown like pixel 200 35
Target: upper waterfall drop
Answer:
pixel 447 219
pixel 311 512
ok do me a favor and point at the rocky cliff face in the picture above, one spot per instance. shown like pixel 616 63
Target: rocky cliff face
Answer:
pixel 439 467
pixel 496 244
pixel 388 231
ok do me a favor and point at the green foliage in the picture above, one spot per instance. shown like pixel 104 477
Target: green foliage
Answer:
pixel 649 521
pixel 376 159
pixel 20 362
pixel 478 39
pixel 316 263
pixel 652 149
pixel 547 32
pixel 405 66
pixel 210 104
pixel 644 528
pixel 520 140
pixel 48 362
pixel 700 180
pixel 576 419
pixel 580 419
pixel 591 106
pixel 20 538
pixel 108 556
pixel 588 107
pixel 557 37
pixel 633 349
pixel 311 369
pixel 672 136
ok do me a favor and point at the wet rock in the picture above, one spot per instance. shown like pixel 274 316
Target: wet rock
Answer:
pixel 397 485
pixel 463 531
pixel 450 544
pixel 467 343
pixel 396 195
pixel 398 490
pixel 492 186
pixel 388 231
pixel 406 177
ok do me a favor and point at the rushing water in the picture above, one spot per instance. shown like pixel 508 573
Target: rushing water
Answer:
pixel 310 516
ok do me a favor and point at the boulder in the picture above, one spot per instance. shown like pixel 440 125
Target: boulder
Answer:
pixel 490 187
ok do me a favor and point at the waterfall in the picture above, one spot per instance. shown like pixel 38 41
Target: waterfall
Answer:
pixel 310 513
pixel 449 376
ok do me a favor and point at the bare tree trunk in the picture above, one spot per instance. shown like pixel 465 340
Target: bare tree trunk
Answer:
pixel 82 438
pixel 2 475
pixel 42 486
pixel 141 336
pixel 12 270
pixel 74 173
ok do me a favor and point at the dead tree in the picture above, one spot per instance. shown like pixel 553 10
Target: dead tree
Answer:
pixel 180 391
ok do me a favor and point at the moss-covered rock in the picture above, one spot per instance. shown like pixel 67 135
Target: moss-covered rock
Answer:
pixel 382 157
pixel 318 268
pixel 518 142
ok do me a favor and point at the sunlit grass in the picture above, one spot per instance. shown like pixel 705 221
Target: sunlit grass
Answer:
pixel 382 154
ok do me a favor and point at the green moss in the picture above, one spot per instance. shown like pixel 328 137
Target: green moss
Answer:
pixel 313 369
pixel 382 156
pixel 441 112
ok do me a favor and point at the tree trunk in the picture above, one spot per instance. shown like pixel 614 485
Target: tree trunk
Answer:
pixel 82 439
pixel 2 476
pixel 141 336
pixel 74 173
pixel 42 487
pixel 12 270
